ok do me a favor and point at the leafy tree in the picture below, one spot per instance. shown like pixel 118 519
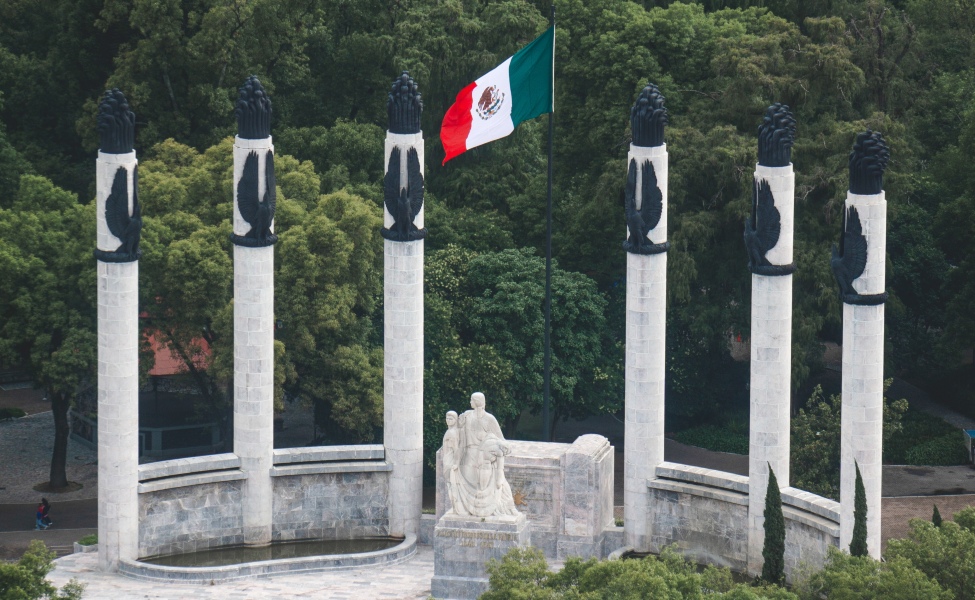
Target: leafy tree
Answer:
pixel 47 297
pixel 27 578
pixel 936 517
pixel 946 554
pixel 327 283
pixel 773 552
pixel 815 441
pixel 846 577
pixel 858 545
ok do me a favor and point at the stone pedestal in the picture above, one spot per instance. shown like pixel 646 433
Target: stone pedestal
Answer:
pixel 771 365
pixel 863 378
pixel 646 345
pixel 254 359
pixel 403 361
pixel 462 547
pixel 118 383
pixel 564 490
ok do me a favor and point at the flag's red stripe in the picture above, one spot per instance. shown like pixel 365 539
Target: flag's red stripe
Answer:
pixel 457 124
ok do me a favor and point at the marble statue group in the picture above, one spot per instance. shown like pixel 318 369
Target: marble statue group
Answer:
pixel 473 457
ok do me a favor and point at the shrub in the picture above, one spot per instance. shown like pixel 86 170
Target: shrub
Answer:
pixel 11 413
pixel 919 428
pixel 846 577
pixel 89 540
pixel 523 574
pixel 713 437
pixel 946 450
pixel 27 578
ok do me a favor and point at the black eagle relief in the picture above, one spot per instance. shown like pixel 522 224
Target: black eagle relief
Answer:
pixel 641 221
pixel 403 201
pixel 257 208
pixel 127 228
pixel 849 262
pixel 763 227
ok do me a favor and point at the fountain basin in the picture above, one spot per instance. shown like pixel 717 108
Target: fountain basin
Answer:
pixel 151 570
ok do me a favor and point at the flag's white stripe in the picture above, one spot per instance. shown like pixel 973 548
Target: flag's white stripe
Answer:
pixel 486 128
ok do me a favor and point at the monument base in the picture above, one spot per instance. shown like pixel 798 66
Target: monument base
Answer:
pixel 462 547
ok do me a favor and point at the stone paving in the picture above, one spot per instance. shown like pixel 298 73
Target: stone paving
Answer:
pixel 26 445
pixel 408 580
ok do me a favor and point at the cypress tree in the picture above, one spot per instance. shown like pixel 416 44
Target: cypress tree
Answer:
pixel 936 517
pixel 858 545
pixel 773 571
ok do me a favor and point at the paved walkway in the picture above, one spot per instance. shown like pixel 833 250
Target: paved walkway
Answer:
pixel 409 580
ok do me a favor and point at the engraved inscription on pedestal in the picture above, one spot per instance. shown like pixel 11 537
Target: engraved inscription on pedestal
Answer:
pixel 462 547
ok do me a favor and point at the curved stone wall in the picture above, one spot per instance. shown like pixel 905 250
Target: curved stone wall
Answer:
pixel 705 513
pixel 191 504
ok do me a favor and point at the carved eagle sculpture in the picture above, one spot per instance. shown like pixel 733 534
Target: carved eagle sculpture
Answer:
pixel 640 221
pixel 850 261
pixel 762 228
pixel 128 229
pixel 403 201
pixel 257 211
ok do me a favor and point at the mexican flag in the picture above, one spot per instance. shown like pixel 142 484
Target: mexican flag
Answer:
pixel 518 89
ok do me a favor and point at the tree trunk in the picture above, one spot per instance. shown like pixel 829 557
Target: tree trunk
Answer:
pixel 59 408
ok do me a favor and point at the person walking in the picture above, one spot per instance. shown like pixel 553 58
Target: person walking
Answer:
pixel 39 516
pixel 45 509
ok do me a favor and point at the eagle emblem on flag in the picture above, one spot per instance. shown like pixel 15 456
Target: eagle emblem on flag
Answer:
pixel 490 102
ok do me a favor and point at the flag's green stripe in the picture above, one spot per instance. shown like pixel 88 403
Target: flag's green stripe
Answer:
pixel 530 74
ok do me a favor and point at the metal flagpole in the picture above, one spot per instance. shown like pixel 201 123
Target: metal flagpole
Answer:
pixel 546 425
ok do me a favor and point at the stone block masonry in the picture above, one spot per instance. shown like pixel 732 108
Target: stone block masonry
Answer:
pixel 118 382
pixel 771 364
pixel 403 361
pixel 330 506
pixel 863 378
pixel 462 547
pixel 253 359
pixel 191 518
pixel 646 325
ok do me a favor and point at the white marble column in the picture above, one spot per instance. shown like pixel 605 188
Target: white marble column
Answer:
pixel 253 358
pixel 118 382
pixel 863 378
pixel 771 364
pixel 646 327
pixel 403 360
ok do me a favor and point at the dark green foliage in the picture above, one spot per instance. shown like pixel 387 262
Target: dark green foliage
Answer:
pixel 89 540
pixel 925 440
pixel 27 578
pixel 946 450
pixel 946 553
pixel 523 574
pixel 773 552
pixel 936 517
pixel 11 413
pixel 715 437
pixel 858 545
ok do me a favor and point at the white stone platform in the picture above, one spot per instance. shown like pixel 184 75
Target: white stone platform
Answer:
pixel 409 580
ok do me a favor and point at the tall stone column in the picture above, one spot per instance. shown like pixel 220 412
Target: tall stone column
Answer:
pixel 403 305
pixel 253 238
pixel 769 239
pixel 117 251
pixel 646 304
pixel 859 267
